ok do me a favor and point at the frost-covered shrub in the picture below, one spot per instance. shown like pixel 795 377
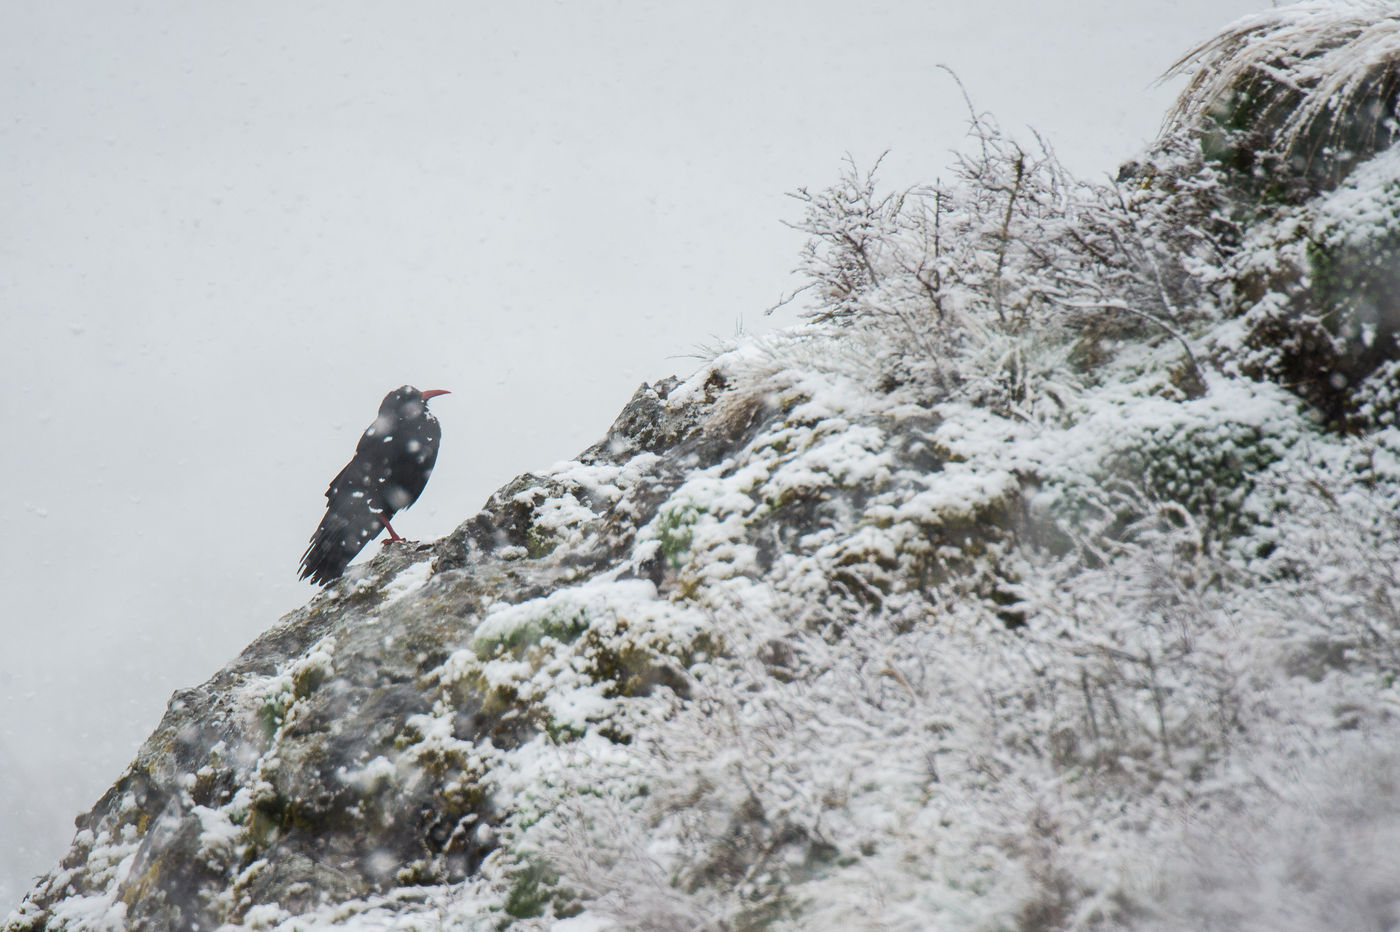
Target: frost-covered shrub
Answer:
pixel 857 241
pixel 1315 287
pixel 1139 677
pixel 1196 460
pixel 1294 113
pixel 1352 255
pixel 1157 236
pixel 1206 468
pixel 675 531
pixel 1325 856
pixel 983 288
pixel 1378 398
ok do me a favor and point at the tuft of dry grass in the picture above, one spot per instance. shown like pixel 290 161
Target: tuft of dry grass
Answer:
pixel 1315 83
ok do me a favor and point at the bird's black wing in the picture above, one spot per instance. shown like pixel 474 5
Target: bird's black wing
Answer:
pixel 351 521
pixel 409 462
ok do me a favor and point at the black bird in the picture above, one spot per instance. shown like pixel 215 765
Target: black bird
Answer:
pixel 392 463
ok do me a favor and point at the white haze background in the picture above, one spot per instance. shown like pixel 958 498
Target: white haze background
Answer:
pixel 226 230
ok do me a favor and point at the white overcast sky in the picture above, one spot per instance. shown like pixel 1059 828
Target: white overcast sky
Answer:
pixel 227 229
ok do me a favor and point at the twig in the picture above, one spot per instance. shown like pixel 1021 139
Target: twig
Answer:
pixel 1121 306
pixel 971 110
pixel 1005 235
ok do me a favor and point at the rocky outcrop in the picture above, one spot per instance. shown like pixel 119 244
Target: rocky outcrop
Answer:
pixel 311 769
pixel 780 631
pixel 348 752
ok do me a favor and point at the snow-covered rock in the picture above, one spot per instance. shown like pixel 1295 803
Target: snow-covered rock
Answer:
pixel 1028 587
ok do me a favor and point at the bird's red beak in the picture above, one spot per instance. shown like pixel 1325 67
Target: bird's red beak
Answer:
pixel 434 392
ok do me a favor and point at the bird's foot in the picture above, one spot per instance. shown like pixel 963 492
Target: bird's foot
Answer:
pixel 404 542
pixel 413 546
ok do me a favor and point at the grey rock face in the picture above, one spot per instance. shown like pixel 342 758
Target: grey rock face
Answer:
pixel 302 773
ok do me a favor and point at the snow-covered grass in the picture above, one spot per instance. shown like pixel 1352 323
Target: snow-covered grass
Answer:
pixel 928 767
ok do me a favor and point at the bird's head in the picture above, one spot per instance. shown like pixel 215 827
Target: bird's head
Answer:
pixel 407 402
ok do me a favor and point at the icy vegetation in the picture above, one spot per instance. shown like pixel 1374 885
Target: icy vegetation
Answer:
pixel 1048 578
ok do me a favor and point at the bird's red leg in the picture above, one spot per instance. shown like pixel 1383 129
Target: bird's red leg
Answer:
pixel 390 528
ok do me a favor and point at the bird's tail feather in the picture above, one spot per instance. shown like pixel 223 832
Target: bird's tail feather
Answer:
pixel 339 538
